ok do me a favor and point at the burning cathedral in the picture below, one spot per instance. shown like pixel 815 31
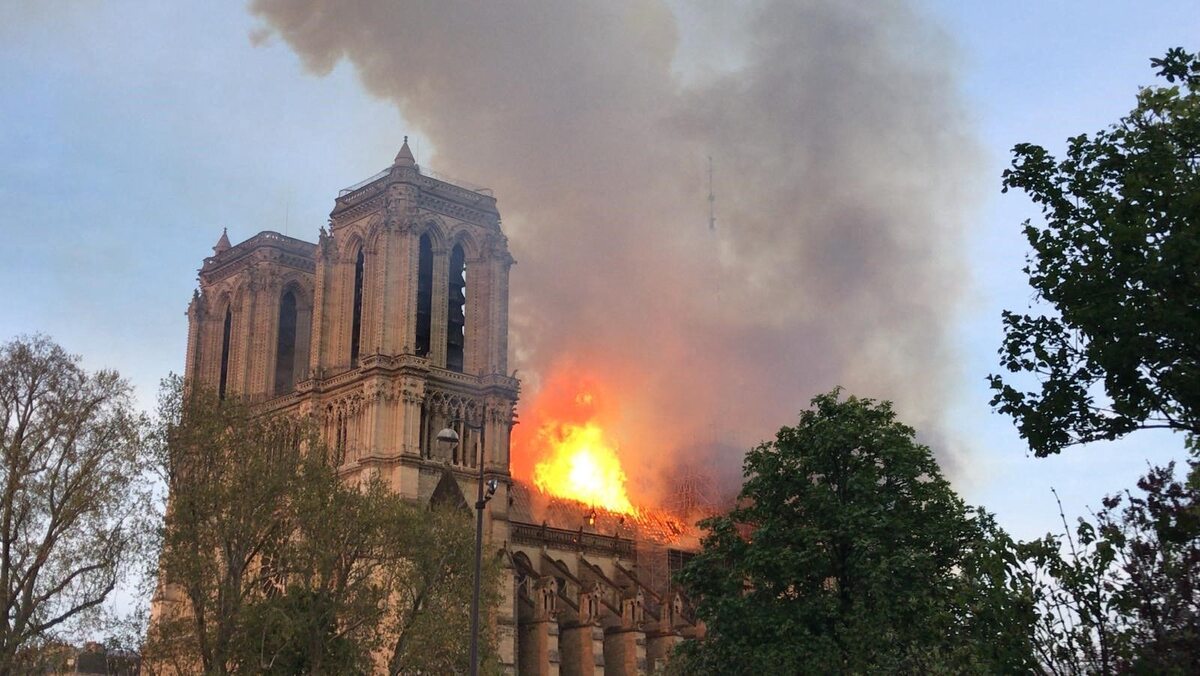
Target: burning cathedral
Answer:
pixel 394 327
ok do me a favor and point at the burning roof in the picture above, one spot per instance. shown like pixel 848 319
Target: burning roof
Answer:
pixel 530 506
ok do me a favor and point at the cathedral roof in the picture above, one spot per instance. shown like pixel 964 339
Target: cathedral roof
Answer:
pixel 530 506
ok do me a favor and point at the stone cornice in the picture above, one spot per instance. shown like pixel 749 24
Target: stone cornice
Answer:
pixel 476 206
pixel 265 246
pixel 399 366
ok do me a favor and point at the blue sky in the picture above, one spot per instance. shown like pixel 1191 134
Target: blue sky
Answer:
pixel 1042 72
pixel 133 132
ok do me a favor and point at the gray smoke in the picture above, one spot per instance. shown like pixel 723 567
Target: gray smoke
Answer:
pixel 841 149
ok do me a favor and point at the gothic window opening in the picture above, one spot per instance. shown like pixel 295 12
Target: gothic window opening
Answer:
pixel 456 316
pixel 424 295
pixel 285 345
pixel 225 353
pixel 356 327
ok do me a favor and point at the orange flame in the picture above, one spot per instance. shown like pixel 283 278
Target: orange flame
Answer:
pixel 581 465
pixel 566 447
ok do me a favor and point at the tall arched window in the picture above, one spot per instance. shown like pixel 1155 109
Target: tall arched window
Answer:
pixel 356 328
pixel 225 352
pixel 456 315
pixel 285 345
pixel 424 295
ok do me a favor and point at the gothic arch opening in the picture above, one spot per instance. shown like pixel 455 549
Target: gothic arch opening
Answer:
pixel 424 295
pixel 447 494
pixel 292 337
pixel 356 321
pixel 285 344
pixel 456 315
pixel 225 334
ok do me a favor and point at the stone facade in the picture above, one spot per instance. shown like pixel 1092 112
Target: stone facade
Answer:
pixel 393 326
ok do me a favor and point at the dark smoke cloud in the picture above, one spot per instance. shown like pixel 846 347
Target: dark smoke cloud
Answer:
pixel 841 151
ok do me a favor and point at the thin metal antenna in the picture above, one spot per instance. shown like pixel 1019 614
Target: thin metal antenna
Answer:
pixel 712 214
pixel 712 227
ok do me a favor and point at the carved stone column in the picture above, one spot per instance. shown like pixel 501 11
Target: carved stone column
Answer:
pixel 320 313
pixel 195 315
pixel 398 267
pixel 498 340
pixel 478 316
pixel 538 645
pixel 581 640
pixel 625 641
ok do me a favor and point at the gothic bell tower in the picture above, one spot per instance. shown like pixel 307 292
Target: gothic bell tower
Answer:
pixel 389 329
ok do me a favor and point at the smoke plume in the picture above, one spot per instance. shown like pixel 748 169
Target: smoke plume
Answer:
pixel 840 148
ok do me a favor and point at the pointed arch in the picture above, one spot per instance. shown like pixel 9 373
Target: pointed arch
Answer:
pixel 226 335
pixel 292 335
pixel 436 228
pixel 356 322
pixel 424 318
pixel 374 232
pixel 448 494
pixel 230 316
pixel 351 257
pixel 352 246
pixel 462 236
pixel 456 308
pixel 285 343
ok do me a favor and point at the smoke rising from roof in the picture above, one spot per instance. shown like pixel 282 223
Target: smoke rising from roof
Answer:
pixel 841 150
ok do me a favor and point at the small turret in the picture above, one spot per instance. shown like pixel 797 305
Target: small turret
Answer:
pixel 404 158
pixel 223 244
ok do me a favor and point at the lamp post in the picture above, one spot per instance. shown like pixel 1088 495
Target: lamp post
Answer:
pixel 449 436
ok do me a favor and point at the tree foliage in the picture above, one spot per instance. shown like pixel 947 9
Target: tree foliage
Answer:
pixel 1118 261
pixel 1125 594
pixel 849 552
pixel 229 474
pixel 271 563
pixel 428 616
pixel 72 493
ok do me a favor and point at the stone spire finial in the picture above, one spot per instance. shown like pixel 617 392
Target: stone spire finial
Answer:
pixel 404 158
pixel 223 243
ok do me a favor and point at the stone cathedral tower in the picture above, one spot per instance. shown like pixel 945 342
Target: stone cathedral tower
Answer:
pixel 393 326
pixel 388 329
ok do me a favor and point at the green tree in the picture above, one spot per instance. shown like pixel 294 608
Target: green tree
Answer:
pixel 429 615
pixel 1117 265
pixel 271 563
pixel 849 552
pixel 1117 260
pixel 230 475
pixel 73 494
pixel 329 583
pixel 1122 593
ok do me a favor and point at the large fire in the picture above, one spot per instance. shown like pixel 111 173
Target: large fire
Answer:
pixel 565 449
pixel 581 465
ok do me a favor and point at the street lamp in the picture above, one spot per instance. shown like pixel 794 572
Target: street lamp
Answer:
pixel 449 437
